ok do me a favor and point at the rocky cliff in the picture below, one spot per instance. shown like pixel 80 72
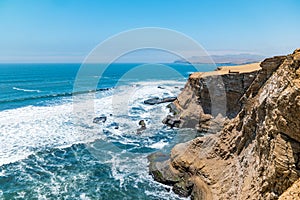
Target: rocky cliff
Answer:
pixel 194 107
pixel 256 155
pixel 293 193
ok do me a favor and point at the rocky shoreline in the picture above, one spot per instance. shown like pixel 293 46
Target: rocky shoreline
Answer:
pixel 255 151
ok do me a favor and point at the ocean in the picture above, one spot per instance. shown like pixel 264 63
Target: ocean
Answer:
pixel 49 152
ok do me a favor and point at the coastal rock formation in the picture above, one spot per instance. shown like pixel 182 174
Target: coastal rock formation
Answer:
pixel 292 193
pixel 99 120
pixel 156 100
pixel 142 128
pixel 193 107
pixel 256 155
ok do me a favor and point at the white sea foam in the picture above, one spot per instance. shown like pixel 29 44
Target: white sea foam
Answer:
pixel 29 129
pixel 2 172
pixel 84 197
pixel 158 145
pixel 26 90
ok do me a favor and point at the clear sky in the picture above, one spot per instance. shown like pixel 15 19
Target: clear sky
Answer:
pixel 67 30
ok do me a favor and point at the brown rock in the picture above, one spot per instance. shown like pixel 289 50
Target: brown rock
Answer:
pixel 293 193
pixel 257 154
pixel 207 95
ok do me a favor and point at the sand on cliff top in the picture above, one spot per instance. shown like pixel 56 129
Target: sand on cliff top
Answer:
pixel 247 68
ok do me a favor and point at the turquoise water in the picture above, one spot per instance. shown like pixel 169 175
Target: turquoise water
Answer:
pixel 49 152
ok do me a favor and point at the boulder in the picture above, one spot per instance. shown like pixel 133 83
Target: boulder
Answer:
pixel 157 100
pixel 142 128
pixel 171 121
pixel 99 120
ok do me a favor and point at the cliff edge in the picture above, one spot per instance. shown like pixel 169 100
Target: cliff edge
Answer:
pixel 256 155
pixel 210 97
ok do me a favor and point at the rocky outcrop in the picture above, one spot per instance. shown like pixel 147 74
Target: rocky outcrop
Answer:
pixel 211 93
pixel 171 121
pixel 100 120
pixel 257 154
pixel 292 193
pixel 156 100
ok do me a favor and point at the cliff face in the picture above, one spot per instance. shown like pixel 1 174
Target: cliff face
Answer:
pixel 257 154
pixel 195 108
pixel 292 193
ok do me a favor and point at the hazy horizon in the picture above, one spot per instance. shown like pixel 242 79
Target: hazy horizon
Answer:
pixel 66 31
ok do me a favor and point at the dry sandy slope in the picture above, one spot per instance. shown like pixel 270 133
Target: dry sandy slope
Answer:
pixel 247 68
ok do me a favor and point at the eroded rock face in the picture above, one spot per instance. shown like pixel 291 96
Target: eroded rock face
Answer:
pixel 257 154
pixel 211 93
pixel 292 193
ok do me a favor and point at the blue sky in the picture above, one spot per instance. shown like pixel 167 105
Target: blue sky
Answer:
pixel 67 30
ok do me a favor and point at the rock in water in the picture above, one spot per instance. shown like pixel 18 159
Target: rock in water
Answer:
pixel 171 121
pixel 256 154
pixel 157 100
pixel 99 120
pixel 143 126
pixel 142 123
pixel 152 101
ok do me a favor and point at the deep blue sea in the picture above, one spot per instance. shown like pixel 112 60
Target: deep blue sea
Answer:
pixel 51 149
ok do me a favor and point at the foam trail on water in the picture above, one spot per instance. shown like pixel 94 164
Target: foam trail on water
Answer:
pixel 26 90
pixel 53 130
pixel 33 128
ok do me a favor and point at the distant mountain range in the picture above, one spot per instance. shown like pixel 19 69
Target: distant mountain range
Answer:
pixel 224 59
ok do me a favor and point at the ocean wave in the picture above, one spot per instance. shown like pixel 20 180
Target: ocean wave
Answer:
pixel 46 96
pixel 33 128
pixel 26 90
pixel 29 129
pixel 61 139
